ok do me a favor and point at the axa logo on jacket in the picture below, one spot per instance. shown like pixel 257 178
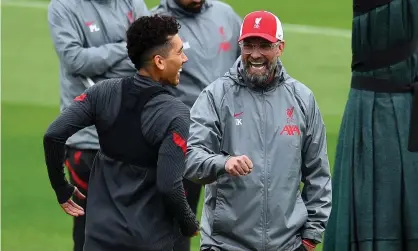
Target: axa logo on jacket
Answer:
pixel 290 128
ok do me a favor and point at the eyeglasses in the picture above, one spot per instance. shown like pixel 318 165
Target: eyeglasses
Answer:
pixel 263 48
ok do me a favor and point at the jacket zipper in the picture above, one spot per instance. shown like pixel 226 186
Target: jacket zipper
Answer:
pixel 265 175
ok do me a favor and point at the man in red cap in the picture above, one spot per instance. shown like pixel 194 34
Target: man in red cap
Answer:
pixel 256 133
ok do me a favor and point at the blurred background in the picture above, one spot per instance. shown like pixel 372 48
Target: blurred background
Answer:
pixel 318 53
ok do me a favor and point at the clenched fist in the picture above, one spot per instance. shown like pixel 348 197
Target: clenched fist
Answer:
pixel 239 165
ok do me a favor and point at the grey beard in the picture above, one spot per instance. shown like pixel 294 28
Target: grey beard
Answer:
pixel 261 80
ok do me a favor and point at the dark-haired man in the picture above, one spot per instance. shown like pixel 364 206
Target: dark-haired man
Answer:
pixel 89 38
pixel 211 51
pixel 136 196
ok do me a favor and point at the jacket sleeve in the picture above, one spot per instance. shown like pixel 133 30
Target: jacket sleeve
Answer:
pixel 316 175
pixel 68 44
pixel 77 116
pixel 171 163
pixel 165 123
pixel 204 160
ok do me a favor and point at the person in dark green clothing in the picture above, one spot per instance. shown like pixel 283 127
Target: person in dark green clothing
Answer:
pixel 375 180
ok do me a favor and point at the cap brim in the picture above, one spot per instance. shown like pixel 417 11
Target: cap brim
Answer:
pixel 265 36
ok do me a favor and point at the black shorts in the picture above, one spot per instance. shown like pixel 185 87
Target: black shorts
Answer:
pixel 79 163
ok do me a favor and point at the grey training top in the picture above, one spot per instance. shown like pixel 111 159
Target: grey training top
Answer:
pixel 135 205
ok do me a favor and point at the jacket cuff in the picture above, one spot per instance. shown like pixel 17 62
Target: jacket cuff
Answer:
pixel 64 193
pixel 220 162
pixel 312 235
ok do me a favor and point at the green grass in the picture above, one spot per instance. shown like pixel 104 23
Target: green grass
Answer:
pixel 32 219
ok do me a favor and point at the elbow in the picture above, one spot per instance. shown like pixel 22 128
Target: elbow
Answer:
pixel 72 60
pixel 162 188
pixel 47 138
pixel 48 141
pixel 199 181
pixel 49 135
pixel 75 66
pixel 191 174
pixel 166 188
pixel 79 64
pixel 193 177
pixel 52 135
pixel 198 178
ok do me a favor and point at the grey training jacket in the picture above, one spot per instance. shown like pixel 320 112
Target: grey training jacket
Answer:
pixel 281 130
pixel 210 41
pixel 89 38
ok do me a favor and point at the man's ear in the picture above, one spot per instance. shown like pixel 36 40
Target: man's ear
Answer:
pixel 159 62
pixel 280 48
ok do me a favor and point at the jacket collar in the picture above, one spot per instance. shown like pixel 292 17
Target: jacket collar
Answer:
pixel 144 82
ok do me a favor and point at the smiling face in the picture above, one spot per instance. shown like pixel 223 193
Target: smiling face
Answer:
pixel 260 58
pixel 170 64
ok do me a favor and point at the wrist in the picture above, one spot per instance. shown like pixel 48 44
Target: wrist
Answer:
pixel 64 192
pixel 220 163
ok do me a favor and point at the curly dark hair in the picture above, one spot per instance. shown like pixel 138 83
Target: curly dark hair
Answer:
pixel 148 35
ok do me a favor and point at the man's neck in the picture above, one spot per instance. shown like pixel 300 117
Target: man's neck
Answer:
pixel 145 73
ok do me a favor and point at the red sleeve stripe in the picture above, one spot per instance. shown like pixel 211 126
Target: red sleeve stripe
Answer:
pixel 80 97
pixel 178 140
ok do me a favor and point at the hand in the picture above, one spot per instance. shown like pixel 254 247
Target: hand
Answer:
pixel 70 207
pixel 239 165
pixel 308 245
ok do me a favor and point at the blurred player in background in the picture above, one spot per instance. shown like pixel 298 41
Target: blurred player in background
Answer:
pixel 89 39
pixel 210 31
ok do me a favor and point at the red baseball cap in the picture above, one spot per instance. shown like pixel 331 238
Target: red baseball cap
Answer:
pixel 262 24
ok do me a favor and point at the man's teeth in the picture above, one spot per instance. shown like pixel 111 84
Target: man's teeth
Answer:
pixel 257 65
pixel 180 69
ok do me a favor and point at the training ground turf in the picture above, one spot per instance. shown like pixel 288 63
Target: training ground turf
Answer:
pixel 31 218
